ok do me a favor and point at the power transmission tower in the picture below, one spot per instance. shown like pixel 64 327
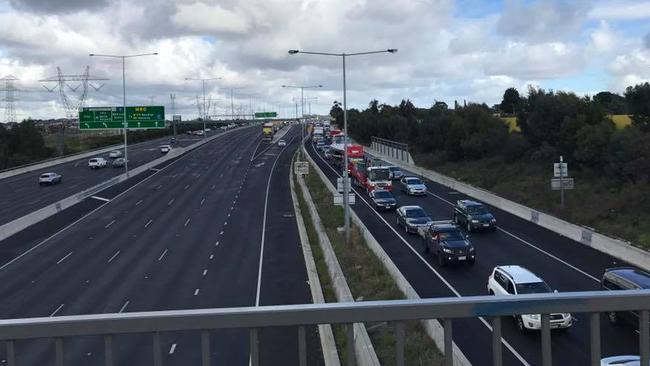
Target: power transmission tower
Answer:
pixel 10 98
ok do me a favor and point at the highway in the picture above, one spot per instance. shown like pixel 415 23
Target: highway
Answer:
pixel 564 264
pixel 213 228
pixel 21 193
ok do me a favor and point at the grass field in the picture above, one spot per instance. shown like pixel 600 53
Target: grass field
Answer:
pixel 620 120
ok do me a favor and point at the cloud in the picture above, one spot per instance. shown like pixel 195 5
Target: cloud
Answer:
pixel 214 19
pixel 620 10
pixel 57 6
pixel 541 61
pixel 646 41
pixel 542 21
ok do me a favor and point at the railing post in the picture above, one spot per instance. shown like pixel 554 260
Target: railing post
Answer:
pixel 58 345
pixel 644 337
pixel 205 348
pixel 349 345
pixel 594 336
pixel 448 342
pixel 497 352
pixel 547 359
pixel 302 346
pixel 108 350
pixel 11 353
pixel 157 350
pixel 254 345
pixel 399 344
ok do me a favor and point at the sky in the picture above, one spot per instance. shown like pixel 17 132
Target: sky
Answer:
pixel 464 50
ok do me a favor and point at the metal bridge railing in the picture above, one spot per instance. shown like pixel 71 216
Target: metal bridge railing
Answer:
pixel 254 318
pixel 394 149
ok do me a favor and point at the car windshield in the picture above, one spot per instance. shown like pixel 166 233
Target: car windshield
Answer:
pixel 477 210
pixel 533 288
pixel 451 235
pixel 378 174
pixel 45 176
pixel 393 169
pixel 413 181
pixel 383 195
pixel 415 213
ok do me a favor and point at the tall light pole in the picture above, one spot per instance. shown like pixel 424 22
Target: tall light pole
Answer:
pixel 124 124
pixel 302 106
pixel 205 112
pixel 346 179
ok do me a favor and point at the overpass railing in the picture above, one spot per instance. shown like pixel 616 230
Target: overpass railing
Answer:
pixel 253 318
pixel 393 149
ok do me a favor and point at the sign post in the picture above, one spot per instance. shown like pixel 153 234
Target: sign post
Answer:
pixel 105 118
pixel 266 114
pixel 561 180
pixel 301 167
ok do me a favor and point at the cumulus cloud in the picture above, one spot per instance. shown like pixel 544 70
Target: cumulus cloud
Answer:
pixel 58 6
pixel 620 10
pixel 550 20
pixel 646 41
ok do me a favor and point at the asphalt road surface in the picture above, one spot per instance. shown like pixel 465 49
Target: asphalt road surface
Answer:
pixel 564 264
pixel 214 228
pixel 21 193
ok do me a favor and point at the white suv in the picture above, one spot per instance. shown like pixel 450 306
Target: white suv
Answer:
pixel 517 280
pixel 97 163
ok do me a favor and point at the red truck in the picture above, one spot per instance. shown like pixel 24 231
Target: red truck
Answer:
pixel 370 177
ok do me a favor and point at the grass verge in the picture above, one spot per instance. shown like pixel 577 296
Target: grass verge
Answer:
pixel 367 279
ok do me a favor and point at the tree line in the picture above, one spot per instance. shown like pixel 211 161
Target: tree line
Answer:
pixel 551 124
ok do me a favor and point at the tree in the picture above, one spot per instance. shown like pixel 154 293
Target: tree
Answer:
pixel 337 113
pixel 592 142
pixel 511 102
pixel 612 103
pixel 638 101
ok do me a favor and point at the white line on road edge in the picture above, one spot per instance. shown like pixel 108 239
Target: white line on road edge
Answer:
pixel 109 224
pixel 64 258
pixel 113 257
pixel 57 310
pixel 100 198
pixel 205 272
pixel 97 209
pixel 172 349
pixel 187 221
pixel 196 292
pixel 148 223
pixel 124 306
pixel 487 325
pixel 162 255
pixel 266 203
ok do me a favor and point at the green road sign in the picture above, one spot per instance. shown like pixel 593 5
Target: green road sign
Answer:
pixel 100 118
pixel 265 114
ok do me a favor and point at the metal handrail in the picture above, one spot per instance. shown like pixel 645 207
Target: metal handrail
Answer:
pixel 492 307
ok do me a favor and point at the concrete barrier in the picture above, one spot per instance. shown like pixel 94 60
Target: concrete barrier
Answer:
pixel 327 343
pixel 32 218
pixel 363 349
pixel 615 247
pixel 432 327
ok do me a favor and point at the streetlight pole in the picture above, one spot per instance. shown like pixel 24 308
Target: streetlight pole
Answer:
pixel 124 123
pixel 302 107
pixel 205 112
pixel 346 178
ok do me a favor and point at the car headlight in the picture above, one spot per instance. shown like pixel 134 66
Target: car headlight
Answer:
pixel 474 221
pixel 533 316
pixel 447 250
pixel 493 220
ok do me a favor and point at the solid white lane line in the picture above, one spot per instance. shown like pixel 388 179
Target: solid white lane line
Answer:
pixel 148 223
pixel 57 310
pixel 426 263
pixel 196 292
pixel 266 204
pixel 162 255
pixel 113 257
pixel 172 349
pixel 124 306
pixel 139 202
pixel 64 258
pixel 170 202
pixel 202 201
pixel 109 224
pixel 187 221
pixel 100 198
pixel 205 272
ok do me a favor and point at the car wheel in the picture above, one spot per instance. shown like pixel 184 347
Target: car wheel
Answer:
pixel 406 228
pixel 397 220
pixel 471 262
pixel 490 292
pixel 456 219
pixel 40 184
pixel 441 260
pixel 520 324
pixel 612 317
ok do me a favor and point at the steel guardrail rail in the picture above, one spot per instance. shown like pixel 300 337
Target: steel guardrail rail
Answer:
pixel 253 318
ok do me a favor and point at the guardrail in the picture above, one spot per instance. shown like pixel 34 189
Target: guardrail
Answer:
pixel 394 149
pixel 300 316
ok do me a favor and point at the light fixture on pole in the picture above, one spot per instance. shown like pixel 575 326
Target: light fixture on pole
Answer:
pixel 302 107
pixel 346 179
pixel 205 111
pixel 124 123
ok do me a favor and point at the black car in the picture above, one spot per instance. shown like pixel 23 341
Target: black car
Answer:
pixel 625 278
pixel 473 216
pixel 448 244
pixel 383 200
pixel 413 218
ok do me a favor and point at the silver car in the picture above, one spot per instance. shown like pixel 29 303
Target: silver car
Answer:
pixel 49 179
pixel 621 361
pixel 413 186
